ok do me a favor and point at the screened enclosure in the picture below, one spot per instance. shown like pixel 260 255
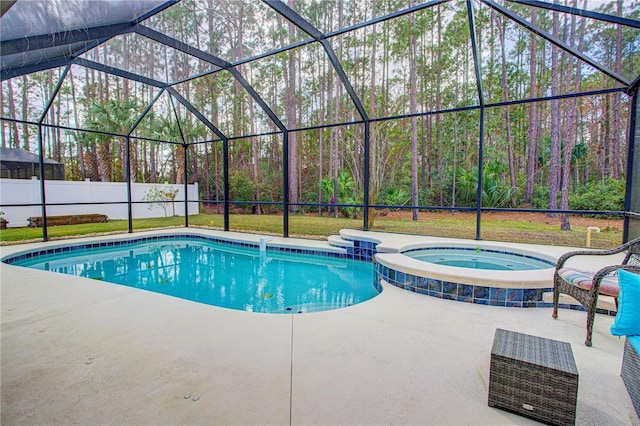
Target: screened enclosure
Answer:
pixel 357 112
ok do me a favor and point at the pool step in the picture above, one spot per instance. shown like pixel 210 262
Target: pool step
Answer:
pixel 338 241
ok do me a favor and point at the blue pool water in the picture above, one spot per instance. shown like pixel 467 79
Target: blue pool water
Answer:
pixel 480 259
pixel 220 274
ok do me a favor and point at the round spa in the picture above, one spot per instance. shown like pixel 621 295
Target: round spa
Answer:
pixel 475 273
pixel 479 258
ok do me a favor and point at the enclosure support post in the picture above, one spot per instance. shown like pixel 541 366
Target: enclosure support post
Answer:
pixel 476 62
pixel 186 184
pixel 129 197
pixel 480 176
pixel 633 179
pixel 297 20
pixel 225 179
pixel 225 150
pixel 365 178
pixel 128 175
pixel 45 236
pixel 45 233
pixel 285 184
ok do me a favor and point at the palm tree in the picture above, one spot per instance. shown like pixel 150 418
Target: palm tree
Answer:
pixel 118 117
pixel 579 153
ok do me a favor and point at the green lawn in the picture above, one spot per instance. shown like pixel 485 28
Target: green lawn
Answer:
pixel 494 227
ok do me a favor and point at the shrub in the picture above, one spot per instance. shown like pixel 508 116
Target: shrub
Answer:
pixel 606 195
pixel 350 211
pixel 540 197
pixel 396 197
pixel 161 196
pixel 241 186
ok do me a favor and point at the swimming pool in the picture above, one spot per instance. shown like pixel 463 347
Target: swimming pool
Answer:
pixel 479 258
pixel 235 276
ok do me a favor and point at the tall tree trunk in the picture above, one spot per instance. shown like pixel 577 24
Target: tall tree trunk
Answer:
pixel 299 100
pixel 106 77
pixel 133 160
pixel 133 143
pixel 616 134
pixel 533 119
pixel 322 91
pixel 103 150
pixel 219 192
pixel 555 156
pixel 91 153
pixel 256 154
pixel 413 109
pixel 178 156
pixel 125 63
pixel 455 145
pixel 14 140
pixel 3 124
pixel 153 167
pixel 83 173
pixel 291 119
pixel 492 50
pixel 25 112
pixel 606 138
pixel 207 172
pixel 334 115
pixel 570 123
pixel 373 161
pixel 337 111
pixel 439 103
pixel 429 118
pixel 507 116
pixel 55 119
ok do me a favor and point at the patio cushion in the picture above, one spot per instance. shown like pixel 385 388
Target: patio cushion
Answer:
pixel 583 279
pixel 627 322
pixel 635 342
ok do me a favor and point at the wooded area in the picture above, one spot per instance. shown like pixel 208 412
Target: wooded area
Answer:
pixel 414 75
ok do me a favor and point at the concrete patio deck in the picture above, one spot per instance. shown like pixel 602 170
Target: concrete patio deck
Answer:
pixel 78 351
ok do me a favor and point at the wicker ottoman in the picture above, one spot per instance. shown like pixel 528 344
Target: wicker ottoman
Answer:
pixel 534 377
pixel 631 372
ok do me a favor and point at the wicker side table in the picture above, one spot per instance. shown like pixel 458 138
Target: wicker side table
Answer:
pixel 534 377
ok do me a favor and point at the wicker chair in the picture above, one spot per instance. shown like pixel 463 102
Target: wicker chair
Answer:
pixel 585 286
pixel 631 371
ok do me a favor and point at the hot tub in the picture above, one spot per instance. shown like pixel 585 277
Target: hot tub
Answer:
pixel 489 274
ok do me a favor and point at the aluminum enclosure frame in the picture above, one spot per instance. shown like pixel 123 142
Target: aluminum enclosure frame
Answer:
pixel 95 36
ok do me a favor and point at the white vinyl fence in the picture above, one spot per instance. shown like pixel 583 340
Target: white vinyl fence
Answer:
pixel 23 191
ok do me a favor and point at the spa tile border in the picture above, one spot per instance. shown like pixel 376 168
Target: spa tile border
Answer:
pixel 483 295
